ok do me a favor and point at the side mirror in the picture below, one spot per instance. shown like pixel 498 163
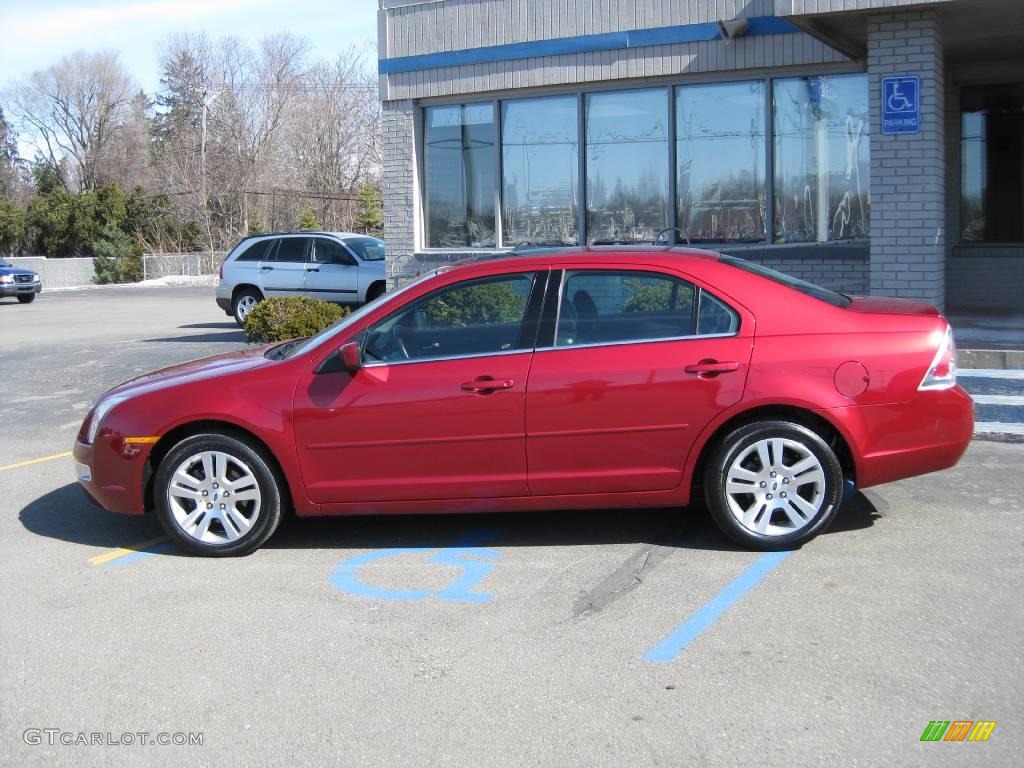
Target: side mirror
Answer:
pixel 351 356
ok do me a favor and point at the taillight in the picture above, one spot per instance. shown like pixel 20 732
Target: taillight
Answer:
pixel 221 273
pixel 942 372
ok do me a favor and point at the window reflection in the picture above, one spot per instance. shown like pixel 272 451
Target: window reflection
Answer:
pixel 461 175
pixel 991 159
pixel 720 162
pixel 822 167
pixel 540 165
pixel 627 165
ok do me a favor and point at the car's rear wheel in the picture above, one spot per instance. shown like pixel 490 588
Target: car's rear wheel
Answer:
pixel 27 298
pixel 773 485
pixel 217 496
pixel 243 304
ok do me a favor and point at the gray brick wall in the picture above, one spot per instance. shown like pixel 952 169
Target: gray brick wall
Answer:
pixel 986 278
pixel 908 214
pixel 398 127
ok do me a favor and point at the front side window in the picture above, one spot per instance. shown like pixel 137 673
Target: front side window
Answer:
pixel 461 175
pixel 627 165
pixel 822 165
pixel 327 251
pixel 992 164
pixel 476 317
pixel 603 307
pixel 721 162
pixel 539 168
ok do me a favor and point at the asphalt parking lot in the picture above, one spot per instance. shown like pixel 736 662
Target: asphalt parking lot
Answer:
pixel 580 639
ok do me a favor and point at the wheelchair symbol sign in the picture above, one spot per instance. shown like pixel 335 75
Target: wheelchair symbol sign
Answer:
pixel 901 104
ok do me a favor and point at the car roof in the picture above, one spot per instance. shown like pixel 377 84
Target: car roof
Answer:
pixel 308 232
pixel 606 253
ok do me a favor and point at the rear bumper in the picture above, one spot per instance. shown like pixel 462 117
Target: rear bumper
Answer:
pixel 896 441
pixel 112 479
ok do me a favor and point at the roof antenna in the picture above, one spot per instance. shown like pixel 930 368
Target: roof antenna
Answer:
pixel 683 232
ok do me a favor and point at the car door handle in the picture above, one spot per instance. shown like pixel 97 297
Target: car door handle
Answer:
pixel 711 368
pixel 484 384
pixel 312 269
pixel 264 269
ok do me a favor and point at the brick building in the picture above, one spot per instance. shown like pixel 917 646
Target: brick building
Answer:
pixel 868 145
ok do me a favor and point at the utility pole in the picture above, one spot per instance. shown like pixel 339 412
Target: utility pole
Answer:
pixel 208 99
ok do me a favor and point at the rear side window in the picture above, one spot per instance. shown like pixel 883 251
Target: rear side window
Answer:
pixel 292 249
pixel 257 251
pixel 810 289
pixel 367 248
pixel 714 317
pixel 603 307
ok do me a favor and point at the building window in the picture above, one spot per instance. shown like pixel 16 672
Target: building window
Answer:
pixel 627 165
pixel 721 162
pixel 822 166
pixel 539 168
pixel 460 176
pixel 992 164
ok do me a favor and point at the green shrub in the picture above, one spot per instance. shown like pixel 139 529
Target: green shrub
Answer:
pixel 118 258
pixel 290 317
pixel 475 305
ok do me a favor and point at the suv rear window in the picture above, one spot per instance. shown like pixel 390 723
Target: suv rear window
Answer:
pixel 810 289
pixel 256 251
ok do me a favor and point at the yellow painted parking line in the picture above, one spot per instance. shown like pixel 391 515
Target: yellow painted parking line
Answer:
pixel 131 549
pixel 36 461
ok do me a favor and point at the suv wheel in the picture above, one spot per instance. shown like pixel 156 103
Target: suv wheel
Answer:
pixel 773 485
pixel 27 298
pixel 375 292
pixel 245 300
pixel 217 496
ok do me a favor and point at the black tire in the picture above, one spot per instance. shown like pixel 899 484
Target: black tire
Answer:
pixel 375 291
pixel 800 443
pixel 245 295
pixel 27 298
pixel 241 454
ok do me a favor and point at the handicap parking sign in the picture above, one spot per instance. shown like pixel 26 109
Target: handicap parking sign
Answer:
pixel 901 104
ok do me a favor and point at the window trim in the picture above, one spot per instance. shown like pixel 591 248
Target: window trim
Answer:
pixel 540 284
pixel 698 291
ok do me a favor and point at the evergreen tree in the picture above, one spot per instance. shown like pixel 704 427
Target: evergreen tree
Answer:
pixel 371 218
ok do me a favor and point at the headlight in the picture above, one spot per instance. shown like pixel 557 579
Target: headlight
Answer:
pixel 35 278
pixel 6 278
pixel 100 412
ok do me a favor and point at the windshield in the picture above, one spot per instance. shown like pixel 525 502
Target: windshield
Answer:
pixel 333 330
pixel 367 248
pixel 816 291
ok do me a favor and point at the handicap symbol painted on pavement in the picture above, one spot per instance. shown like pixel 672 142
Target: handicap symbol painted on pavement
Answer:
pixel 474 561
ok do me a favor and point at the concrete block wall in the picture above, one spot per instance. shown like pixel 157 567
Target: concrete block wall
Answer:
pixel 908 212
pixel 58 273
pixel 399 191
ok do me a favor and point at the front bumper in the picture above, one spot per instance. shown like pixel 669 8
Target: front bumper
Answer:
pixel 112 476
pixel 20 289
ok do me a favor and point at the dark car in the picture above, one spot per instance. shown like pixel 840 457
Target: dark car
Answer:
pixel 24 284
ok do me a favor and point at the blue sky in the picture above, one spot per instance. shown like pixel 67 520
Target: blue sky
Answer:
pixel 37 33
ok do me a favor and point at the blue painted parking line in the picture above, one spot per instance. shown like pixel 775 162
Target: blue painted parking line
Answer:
pixel 472 560
pixel 142 554
pixel 693 627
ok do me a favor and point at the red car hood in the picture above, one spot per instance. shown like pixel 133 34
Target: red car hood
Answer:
pixel 883 305
pixel 195 370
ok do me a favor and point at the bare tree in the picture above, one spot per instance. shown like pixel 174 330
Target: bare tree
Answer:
pixel 74 110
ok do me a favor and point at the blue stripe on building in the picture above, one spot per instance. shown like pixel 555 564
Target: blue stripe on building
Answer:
pixel 559 46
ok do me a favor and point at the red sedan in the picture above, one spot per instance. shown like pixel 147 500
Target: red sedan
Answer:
pixel 576 379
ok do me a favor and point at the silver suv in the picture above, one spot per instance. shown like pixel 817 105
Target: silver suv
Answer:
pixel 341 267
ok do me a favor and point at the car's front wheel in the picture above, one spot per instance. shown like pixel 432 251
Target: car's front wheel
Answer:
pixel 773 485
pixel 244 303
pixel 27 298
pixel 216 495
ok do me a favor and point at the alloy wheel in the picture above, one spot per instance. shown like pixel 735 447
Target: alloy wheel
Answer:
pixel 214 497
